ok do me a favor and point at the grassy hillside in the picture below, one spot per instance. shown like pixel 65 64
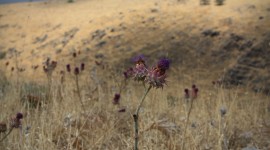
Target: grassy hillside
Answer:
pixel 221 49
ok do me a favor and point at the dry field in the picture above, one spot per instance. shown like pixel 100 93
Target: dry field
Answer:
pixel 43 43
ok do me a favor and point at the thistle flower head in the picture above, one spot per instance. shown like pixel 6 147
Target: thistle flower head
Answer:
pixel 139 72
pixel 156 77
pixel 116 98
pixel 163 64
pixel 19 115
pixel 15 122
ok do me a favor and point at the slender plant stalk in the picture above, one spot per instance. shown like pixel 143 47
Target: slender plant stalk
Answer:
pixel 186 124
pixel 6 135
pixel 17 71
pixel 223 139
pixel 79 91
pixel 122 85
pixel 136 117
pixel 49 93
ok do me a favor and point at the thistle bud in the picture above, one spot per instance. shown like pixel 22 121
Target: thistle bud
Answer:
pixel 186 93
pixel 76 71
pixel 116 99
pixel 19 116
pixel 68 68
pixel 82 66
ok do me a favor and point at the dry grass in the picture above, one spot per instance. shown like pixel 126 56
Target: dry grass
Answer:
pixel 61 123
pixel 54 116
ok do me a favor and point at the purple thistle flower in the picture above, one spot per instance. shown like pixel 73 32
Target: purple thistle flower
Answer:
pixel 156 77
pixel 163 64
pixel 140 72
pixel 116 98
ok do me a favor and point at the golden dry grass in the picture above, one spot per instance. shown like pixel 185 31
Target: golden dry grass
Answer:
pixel 57 120
pixel 60 123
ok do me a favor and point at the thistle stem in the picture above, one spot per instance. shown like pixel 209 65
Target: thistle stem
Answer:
pixel 79 91
pixel 136 117
pixel 186 124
